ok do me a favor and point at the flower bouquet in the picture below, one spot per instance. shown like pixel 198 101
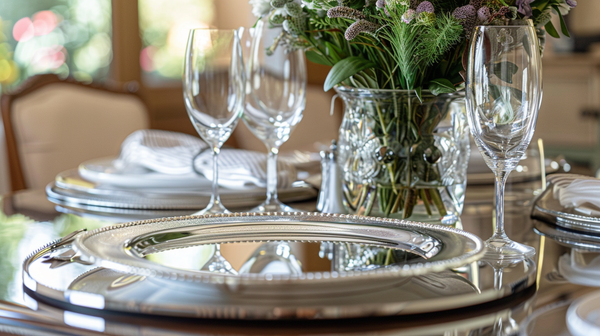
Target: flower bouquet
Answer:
pixel 399 66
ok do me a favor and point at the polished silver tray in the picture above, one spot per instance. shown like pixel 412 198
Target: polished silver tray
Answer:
pixel 549 209
pixel 70 190
pixel 123 247
pixel 55 274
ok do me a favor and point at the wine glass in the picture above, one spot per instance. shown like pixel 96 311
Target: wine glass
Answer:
pixel 276 95
pixel 214 82
pixel 503 96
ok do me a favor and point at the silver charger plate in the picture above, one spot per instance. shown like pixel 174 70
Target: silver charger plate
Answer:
pixel 70 281
pixel 547 208
pixel 71 190
pixel 123 247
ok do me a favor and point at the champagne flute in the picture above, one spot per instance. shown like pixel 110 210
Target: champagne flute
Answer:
pixel 276 95
pixel 214 91
pixel 504 93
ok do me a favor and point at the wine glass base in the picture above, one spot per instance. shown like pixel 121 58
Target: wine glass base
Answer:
pixel 218 264
pixel 504 249
pixel 212 209
pixel 274 206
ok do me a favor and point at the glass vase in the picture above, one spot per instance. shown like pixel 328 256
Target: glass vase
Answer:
pixel 403 156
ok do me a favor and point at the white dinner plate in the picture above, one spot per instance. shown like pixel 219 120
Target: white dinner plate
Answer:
pixel 103 171
pixel 583 316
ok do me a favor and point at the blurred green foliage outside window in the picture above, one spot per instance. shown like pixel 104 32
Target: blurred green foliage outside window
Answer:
pixel 66 37
pixel 164 26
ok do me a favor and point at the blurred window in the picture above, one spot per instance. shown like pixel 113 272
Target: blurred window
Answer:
pixel 66 37
pixel 164 26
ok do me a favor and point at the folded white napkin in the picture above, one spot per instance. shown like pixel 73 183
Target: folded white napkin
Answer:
pixel 574 191
pixel 160 151
pixel 239 169
pixel 172 153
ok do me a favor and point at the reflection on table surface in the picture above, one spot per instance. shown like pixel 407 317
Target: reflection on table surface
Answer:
pixel 28 221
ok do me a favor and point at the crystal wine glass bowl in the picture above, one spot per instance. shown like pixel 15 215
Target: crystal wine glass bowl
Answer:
pixel 276 96
pixel 503 96
pixel 214 92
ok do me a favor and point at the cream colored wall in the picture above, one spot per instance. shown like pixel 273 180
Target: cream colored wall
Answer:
pixel 583 20
pixel 232 14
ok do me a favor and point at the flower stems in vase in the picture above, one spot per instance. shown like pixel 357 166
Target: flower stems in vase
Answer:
pixel 393 162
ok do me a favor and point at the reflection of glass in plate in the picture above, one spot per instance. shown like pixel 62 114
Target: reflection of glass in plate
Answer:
pixel 124 247
pixel 103 171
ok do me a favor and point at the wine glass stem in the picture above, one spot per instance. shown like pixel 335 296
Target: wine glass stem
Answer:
pixel 272 175
pixel 501 177
pixel 215 199
pixel 498 272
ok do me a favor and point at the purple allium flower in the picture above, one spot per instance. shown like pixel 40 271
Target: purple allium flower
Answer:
pixel 476 3
pixel 468 18
pixel 464 12
pixel 408 16
pixel 524 7
pixel 425 6
pixel 360 26
pixel 483 14
pixel 572 3
pixel 345 12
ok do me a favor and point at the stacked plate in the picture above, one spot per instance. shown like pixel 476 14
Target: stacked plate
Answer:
pixel 131 268
pixel 574 226
pixel 98 187
pixel 568 216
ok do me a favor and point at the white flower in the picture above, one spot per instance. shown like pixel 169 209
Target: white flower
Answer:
pixel 309 4
pixel 408 16
pixel 260 7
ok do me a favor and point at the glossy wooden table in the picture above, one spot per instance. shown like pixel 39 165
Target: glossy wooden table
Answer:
pixel 28 220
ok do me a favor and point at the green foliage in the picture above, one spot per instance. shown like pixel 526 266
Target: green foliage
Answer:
pixel 345 68
pixel 440 37
pixel 407 51
pixel 441 85
pixel 551 30
pixel 505 70
pixel 418 47
pixel 563 25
